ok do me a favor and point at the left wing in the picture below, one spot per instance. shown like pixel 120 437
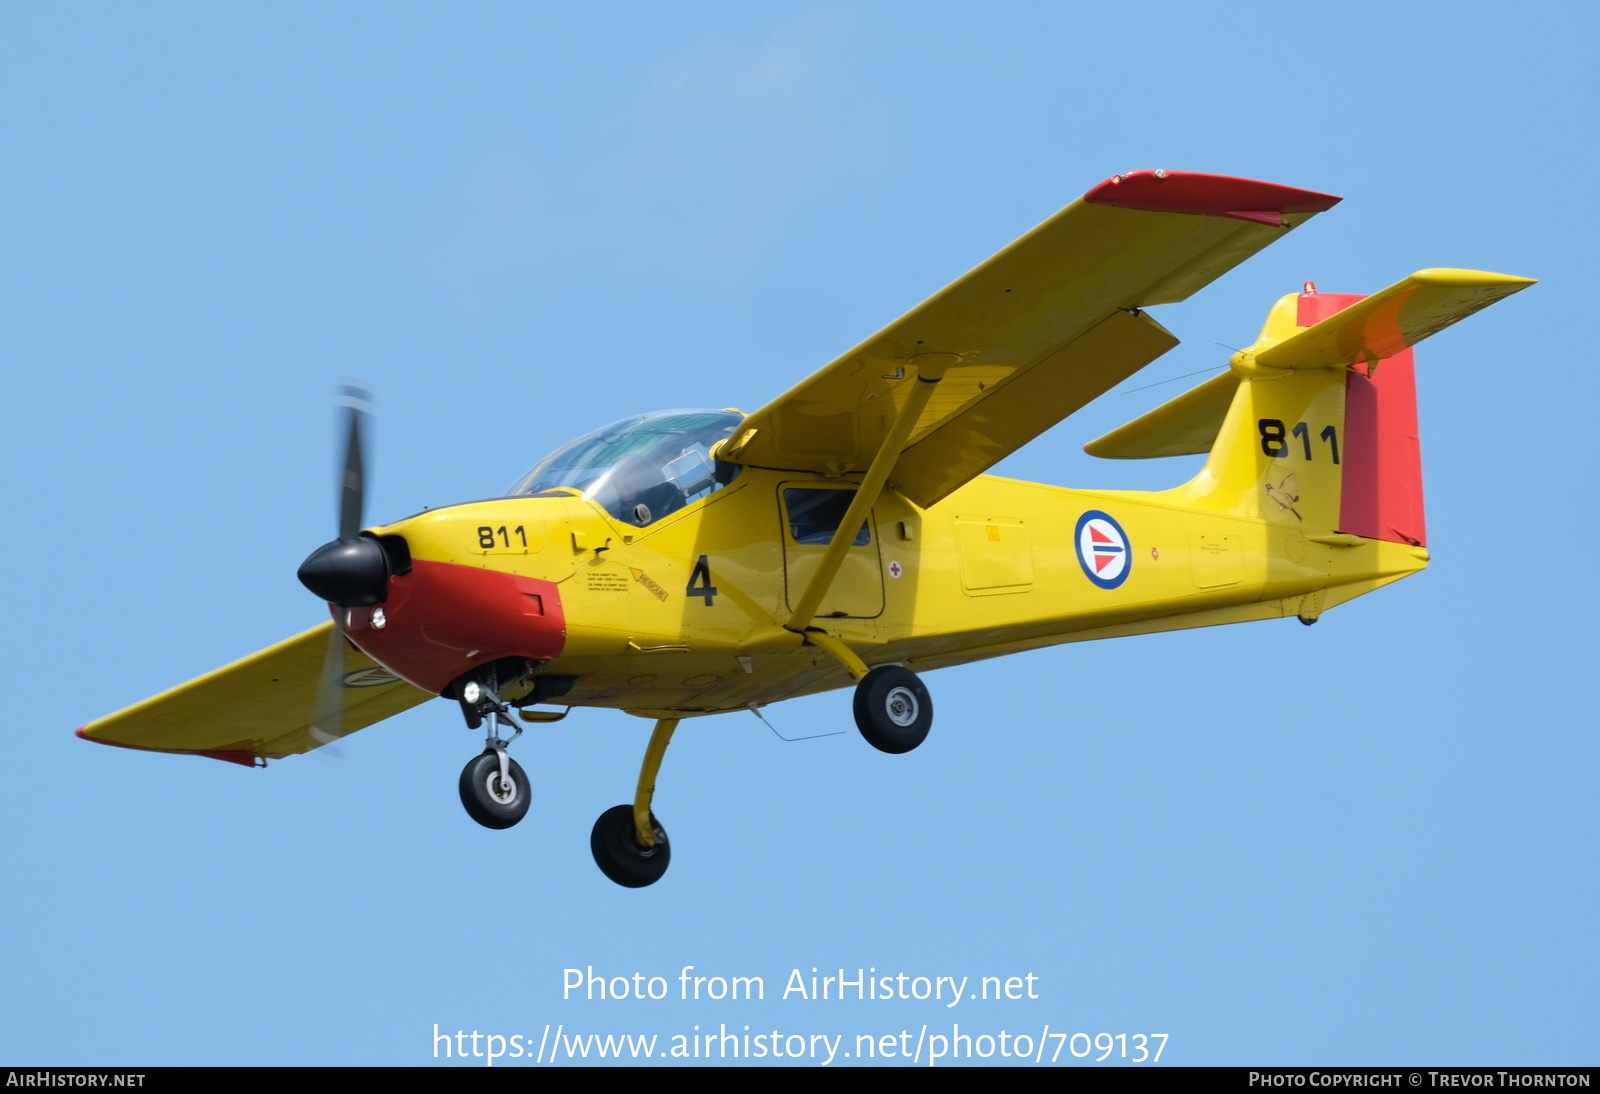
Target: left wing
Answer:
pixel 1036 332
pixel 259 707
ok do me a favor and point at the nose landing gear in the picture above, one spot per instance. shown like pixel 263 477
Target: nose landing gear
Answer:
pixel 494 789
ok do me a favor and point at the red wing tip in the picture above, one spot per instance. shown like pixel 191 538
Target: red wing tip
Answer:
pixel 1207 195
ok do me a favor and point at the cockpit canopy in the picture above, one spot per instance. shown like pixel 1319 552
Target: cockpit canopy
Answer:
pixel 641 468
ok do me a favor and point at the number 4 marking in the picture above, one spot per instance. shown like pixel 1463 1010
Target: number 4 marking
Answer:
pixel 700 582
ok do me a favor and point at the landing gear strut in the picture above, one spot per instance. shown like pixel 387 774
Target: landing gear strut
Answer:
pixel 892 707
pixel 494 788
pixel 628 843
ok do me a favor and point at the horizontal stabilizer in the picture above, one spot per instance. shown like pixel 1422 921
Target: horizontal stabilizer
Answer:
pixel 1185 426
pixel 1390 321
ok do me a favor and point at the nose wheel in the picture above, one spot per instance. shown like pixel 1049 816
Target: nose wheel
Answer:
pixel 494 789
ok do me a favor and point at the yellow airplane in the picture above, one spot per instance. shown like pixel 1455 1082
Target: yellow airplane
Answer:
pixel 693 562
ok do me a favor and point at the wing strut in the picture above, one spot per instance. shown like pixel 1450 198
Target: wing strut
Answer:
pixel 928 377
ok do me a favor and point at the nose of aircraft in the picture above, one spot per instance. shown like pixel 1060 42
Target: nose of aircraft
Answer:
pixel 352 573
pixel 442 619
pixel 437 619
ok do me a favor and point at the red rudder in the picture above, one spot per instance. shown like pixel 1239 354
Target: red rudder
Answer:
pixel 1381 485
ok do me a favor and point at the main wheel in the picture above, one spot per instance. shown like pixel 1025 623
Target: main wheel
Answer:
pixel 616 849
pixel 487 798
pixel 893 709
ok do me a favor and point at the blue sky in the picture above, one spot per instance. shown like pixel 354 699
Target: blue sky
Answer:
pixel 1367 842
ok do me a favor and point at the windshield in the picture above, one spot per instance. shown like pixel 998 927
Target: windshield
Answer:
pixel 641 468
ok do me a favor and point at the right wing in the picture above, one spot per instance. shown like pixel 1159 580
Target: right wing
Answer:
pixel 259 707
pixel 1029 336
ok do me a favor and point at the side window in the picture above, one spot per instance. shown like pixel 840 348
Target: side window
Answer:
pixel 814 515
pixel 692 472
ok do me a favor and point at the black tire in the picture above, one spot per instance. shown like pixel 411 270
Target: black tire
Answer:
pixel 618 854
pixel 893 709
pixel 479 781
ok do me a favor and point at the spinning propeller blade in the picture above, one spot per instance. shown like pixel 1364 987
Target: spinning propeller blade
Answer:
pixel 351 571
pixel 352 486
pixel 327 719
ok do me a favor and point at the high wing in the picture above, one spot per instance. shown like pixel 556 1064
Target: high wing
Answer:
pixel 259 707
pixel 1036 332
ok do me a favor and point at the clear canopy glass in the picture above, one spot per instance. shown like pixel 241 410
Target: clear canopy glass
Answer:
pixel 641 468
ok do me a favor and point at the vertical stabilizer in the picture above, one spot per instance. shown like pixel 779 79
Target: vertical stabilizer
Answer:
pixel 1316 422
pixel 1278 453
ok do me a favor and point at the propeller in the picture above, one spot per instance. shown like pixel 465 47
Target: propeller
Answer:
pixel 327 717
pixel 349 572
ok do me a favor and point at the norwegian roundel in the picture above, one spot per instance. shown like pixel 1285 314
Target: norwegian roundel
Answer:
pixel 1103 549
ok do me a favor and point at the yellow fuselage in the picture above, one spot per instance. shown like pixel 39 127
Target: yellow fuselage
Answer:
pixel 992 569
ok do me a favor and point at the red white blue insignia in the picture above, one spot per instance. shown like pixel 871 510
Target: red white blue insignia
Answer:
pixel 1102 549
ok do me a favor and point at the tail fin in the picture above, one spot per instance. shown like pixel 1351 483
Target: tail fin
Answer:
pixel 1316 423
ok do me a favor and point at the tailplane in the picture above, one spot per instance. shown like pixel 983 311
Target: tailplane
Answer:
pixel 1316 423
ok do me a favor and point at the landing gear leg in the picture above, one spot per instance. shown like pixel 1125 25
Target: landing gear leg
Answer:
pixel 628 843
pixel 892 707
pixel 494 789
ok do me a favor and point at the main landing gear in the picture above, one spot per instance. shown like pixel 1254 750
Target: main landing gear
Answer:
pixel 892 707
pixel 628 843
pixel 893 711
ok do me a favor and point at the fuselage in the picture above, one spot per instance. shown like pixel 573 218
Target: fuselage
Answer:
pixel 686 614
